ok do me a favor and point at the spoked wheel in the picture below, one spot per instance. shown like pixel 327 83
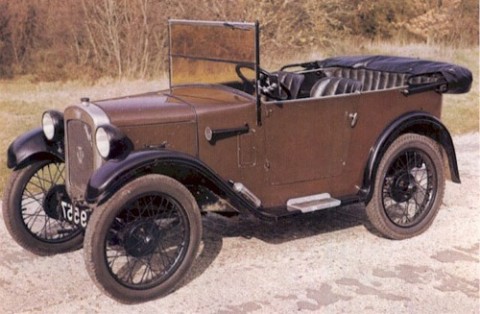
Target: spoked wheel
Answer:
pixel 409 187
pixel 142 241
pixel 32 209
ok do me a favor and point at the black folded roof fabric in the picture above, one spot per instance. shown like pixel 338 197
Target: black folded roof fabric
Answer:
pixel 459 79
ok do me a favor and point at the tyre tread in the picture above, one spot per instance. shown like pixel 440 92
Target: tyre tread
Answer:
pixel 101 275
pixel 374 209
pixel 21 236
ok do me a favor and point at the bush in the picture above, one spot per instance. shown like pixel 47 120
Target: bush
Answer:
pixel 120 38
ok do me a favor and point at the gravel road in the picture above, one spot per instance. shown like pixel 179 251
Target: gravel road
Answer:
pixel 326 262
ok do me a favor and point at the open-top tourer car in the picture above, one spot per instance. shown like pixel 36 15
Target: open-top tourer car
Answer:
pixel 129 178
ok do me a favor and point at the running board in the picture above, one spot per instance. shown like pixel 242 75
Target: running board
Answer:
pixel 312 203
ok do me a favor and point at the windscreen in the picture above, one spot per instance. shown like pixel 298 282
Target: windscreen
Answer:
pixel 208 52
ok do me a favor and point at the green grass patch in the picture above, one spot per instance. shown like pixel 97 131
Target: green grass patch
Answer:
pixel 22 102
pixel 461 118
pixel 461 112
pixel 19 116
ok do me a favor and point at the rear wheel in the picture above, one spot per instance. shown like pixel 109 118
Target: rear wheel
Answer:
pixel 32 209
pixel 409 187
pixel 142 241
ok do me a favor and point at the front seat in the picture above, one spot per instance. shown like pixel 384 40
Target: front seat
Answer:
pixel 329 86
pixel 292 81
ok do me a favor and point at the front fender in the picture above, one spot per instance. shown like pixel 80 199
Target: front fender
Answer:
pixel 30 146
pixel 414 122
pixel 186 169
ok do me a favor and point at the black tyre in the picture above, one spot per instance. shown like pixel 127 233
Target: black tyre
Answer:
pixel 143 240
pixel 409 187
pixel 32 209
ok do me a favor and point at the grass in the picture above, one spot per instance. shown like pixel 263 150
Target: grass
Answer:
pixel 22 101
pixel 460 112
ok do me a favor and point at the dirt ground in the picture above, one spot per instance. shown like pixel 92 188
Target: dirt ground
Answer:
pixel 326 262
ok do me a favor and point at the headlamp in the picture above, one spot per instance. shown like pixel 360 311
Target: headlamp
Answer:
pixel 111 142
pixel 52 125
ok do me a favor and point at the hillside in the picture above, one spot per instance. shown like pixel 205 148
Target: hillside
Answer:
pixel 95 38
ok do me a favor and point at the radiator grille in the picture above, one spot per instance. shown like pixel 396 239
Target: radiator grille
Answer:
pixel 80 156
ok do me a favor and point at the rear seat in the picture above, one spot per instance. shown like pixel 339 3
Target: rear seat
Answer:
pixel 371 80
pixel 377 80
pixel 329 86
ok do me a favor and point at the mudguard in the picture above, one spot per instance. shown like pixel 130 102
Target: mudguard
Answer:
pixel 188 170
pixel 414 122
pixel 32 146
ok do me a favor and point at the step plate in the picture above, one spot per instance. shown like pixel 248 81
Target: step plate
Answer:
pixel 312 203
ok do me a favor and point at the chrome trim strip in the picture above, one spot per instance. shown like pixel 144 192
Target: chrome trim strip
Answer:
pixel 98 115
pixel 99 118
pixel 212 23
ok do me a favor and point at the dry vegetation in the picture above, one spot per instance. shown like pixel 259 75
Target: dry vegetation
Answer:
pixel 51 55
pixel 127 38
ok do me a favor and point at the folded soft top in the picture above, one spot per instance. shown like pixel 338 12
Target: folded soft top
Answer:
pixel 458 79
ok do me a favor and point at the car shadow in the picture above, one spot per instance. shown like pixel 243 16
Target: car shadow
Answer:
pixel 288 229
pixel 217 226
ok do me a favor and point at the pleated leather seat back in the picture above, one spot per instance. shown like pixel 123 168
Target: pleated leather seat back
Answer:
pixel 329 86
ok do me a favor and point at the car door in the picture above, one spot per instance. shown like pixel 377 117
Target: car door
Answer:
pixel 308 139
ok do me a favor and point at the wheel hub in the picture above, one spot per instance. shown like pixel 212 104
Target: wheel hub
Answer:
pixel 51 202
pixel 141 238
pixel 403 188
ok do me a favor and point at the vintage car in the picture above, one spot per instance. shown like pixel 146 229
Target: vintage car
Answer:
pixel 129 178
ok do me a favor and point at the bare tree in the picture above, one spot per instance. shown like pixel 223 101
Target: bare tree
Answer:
pixel 129 38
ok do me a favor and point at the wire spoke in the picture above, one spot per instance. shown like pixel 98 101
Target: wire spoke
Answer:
pixel 407 188
pixel 147 239
pixel 39 214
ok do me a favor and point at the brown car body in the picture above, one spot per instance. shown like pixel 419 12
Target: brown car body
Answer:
pixel 303 147
pixel 270 144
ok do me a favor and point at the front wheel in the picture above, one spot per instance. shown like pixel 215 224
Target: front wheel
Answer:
pixel 32 209
pixel 409 187
pixel 143 240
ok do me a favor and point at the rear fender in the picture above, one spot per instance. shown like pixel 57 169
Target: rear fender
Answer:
pixel 32 146
pixel 186 169
pixel 414 122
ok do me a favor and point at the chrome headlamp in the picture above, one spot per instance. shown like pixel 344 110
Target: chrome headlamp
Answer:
pixel 111 142
pixel 102 139
pixel 52 125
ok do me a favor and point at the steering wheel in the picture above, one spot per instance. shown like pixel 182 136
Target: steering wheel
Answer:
pixel 268 83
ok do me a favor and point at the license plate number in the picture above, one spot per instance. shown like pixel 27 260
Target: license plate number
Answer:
pixel 75 215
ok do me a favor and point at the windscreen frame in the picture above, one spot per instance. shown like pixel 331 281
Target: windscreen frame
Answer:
pixel 251 49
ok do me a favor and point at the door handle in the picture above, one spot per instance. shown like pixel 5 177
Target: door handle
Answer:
pixel 353 119
pixel 217 134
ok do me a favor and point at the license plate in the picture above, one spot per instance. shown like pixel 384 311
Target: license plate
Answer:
pixel 75 215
